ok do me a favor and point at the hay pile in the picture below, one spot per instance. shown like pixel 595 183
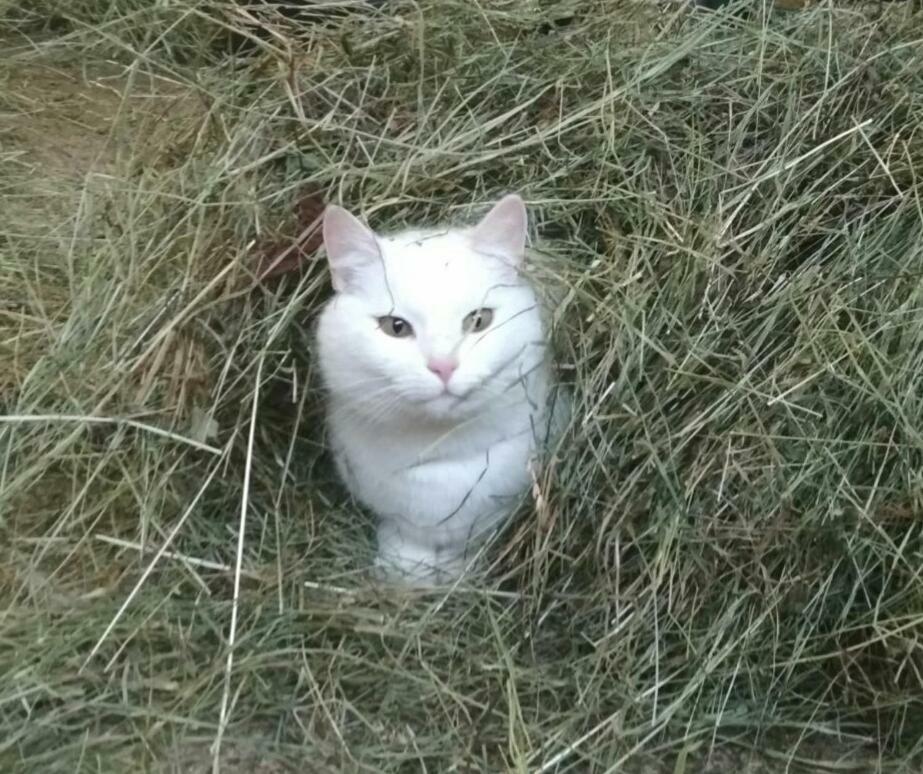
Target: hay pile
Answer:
pixel 723 555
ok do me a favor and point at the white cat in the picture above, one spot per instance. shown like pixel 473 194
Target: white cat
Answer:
pixel 434 356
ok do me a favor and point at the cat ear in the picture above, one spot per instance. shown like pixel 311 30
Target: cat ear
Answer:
pixel 350 245
pixel 502 232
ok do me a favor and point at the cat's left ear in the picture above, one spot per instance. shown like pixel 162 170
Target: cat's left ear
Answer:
pixel 502 231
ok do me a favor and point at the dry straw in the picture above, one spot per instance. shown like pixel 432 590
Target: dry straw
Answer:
pixel 723 555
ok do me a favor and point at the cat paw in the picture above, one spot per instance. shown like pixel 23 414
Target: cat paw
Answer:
pixel 415 570
pixel 404 570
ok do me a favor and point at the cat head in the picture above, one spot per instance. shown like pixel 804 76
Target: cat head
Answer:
pixel 429 324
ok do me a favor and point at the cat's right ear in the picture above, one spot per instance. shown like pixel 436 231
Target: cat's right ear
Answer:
pixel 350 245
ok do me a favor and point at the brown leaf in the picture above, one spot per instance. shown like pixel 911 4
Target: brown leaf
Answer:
pixel 285 255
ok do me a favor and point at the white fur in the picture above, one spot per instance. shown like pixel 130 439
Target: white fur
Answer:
pixel 439 469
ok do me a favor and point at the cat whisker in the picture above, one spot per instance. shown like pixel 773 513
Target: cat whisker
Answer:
pixel 373 405
pixel 372 413
pixel 486 381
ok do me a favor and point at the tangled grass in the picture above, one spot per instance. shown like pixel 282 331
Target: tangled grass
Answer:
pixel 722 558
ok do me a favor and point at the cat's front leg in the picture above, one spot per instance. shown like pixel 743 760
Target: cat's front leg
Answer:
pixel 412 559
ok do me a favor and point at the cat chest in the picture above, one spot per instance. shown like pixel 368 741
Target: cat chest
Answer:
pixel 441 489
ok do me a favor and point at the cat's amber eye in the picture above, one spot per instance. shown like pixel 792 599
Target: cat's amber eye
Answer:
pixel 478 320
pixel 395 326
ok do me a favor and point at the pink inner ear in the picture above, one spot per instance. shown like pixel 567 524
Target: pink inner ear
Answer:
pixel 349 243
pixel 503 230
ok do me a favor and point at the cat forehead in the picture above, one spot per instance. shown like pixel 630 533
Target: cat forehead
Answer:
pixel 426 248
pixel 440 265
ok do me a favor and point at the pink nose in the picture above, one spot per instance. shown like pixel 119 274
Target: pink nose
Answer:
pixel 443 367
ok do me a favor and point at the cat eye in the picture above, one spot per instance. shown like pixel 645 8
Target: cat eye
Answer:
pixel 478 320
pixel 395 326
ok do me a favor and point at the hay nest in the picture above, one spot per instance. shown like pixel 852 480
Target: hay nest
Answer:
pixel 722 556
